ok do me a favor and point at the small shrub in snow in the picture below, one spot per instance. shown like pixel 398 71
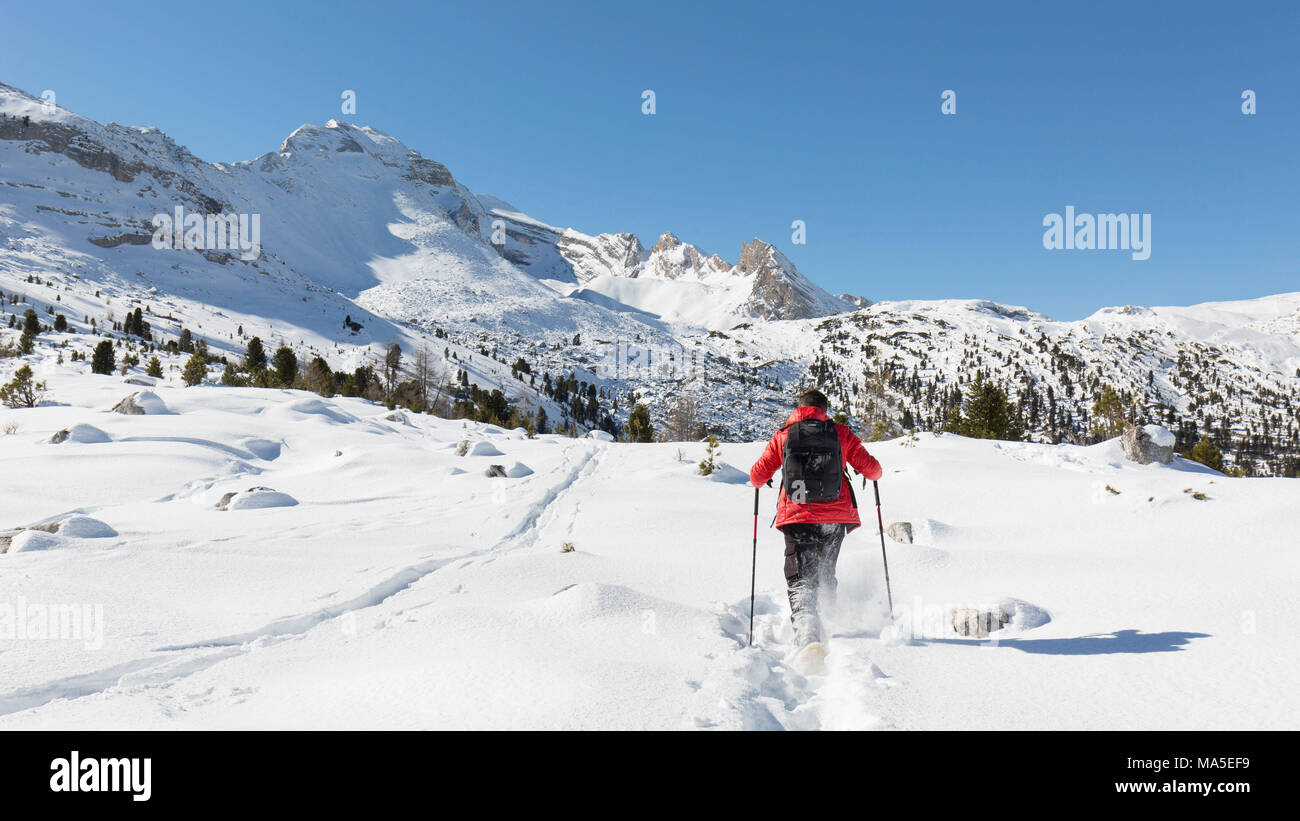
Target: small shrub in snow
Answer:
pixel 22 391
pixel 709 464
pixel 1112 490
pixel 11 428
pixel 567 547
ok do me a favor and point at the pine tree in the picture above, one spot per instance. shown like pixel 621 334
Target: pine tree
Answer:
pixel 31 322
pixel 988 414
pixel 639 427
pixel 196 369
pixel 285 363
pixel 155 368
pixel 1107 416
pixel 319 377
pixel 60 323
pixel 709 464
pixel 232 378
pixel 255 356
pixel 187 341
pixel 104 359
pixel 1207 454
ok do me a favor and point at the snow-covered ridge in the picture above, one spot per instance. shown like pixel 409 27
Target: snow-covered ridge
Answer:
pixel 358 226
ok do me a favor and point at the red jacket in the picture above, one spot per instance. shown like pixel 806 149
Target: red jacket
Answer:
pixel 840 510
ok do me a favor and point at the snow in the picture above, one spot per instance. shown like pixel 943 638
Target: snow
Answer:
pixel 85 527
pixel 518 470
pixel 483 448
pixel 400 592
pixel 1159 436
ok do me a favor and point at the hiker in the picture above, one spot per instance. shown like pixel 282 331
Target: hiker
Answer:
pixel 816 507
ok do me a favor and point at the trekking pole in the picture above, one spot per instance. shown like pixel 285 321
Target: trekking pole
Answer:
pixel 753 571
pixel 881 521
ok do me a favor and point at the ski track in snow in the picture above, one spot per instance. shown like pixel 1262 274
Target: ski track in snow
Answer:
pixel 160 670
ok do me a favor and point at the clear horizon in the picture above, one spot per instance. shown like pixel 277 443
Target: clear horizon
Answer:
pixel 764 116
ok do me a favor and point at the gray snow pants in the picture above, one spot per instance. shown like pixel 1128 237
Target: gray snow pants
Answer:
pixel 811 551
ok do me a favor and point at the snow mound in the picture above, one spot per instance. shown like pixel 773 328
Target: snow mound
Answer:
pixel 600 436
pixel 589 600
pixel 311 408
pixel 1024 616
pixel 399 417
pixel 484 448
pixel 141 402
pixel 27 541
pixel 259 498
pixel 454 471
pixel 86 434
pixel 85 527
pixel 518 470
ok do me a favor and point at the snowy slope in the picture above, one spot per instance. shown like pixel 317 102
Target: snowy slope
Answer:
pixel 392 584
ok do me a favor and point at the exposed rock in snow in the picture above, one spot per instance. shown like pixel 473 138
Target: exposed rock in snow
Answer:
pixel 146 381
pixel 88 434
pixel 254 498
pixel 1147 444
pixel 495 472
pixel 900 532
pixel 140 403
pixel 1007 614
pixel 600 435
pixel 968 621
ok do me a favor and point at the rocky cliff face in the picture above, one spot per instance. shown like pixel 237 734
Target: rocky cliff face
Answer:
pixel 780 291
pixel 613 254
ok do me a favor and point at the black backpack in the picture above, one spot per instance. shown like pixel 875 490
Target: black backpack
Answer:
pixel 812 465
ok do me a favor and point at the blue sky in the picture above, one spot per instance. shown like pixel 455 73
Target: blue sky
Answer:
pixel 768 113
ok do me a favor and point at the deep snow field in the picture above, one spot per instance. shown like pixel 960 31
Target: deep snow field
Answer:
pixel 386 582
